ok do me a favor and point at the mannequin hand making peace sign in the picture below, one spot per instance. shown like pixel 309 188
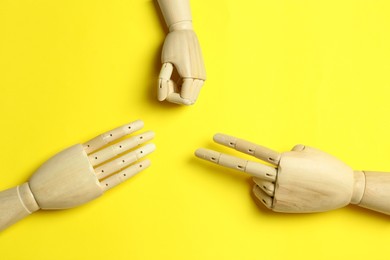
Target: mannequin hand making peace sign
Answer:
pixel 304 179
pixel 78 174
pixel 181 51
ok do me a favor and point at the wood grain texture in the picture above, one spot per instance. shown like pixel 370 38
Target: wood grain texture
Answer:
pixel 182 49
pixel 377 192
pixel 175 11
pixel 66 180
pixel 312 181
pixel 16 203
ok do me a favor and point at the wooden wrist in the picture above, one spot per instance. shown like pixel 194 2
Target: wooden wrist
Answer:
pixel 15 204
pixel 358 187
pixel 376 192
pixel 182 25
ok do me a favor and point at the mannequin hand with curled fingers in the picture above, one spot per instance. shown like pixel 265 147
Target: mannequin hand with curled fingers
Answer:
pixel 78 174
pixel 181 51
pixel 304 179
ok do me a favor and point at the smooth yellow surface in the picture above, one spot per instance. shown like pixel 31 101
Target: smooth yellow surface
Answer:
pixel 279 73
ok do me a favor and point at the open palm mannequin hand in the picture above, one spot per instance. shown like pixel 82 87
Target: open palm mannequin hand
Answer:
pixel 181 51
pixel 78 174
pixel 304 179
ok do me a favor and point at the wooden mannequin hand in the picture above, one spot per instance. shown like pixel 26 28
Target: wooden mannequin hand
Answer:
pixel 78 174
pixel 181 50
pixel 304 179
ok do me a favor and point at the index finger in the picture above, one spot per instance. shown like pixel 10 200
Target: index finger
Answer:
pixel 165 84
pixel 250 148
pixel 252 168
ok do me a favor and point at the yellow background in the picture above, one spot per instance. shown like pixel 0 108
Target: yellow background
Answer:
pixel 279 73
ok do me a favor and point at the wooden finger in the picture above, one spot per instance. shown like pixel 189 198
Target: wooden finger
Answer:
pixel 262 196
pixel 110 136
pixel 198 84
pixel 165 84
pixel 252 168
pixel 247 147
pixel 118 148
pixel 267 186
pixel 124 175
pixel 162 90
pixel 122 162
pixel 187 88
pixel 177 99
pixel 166 71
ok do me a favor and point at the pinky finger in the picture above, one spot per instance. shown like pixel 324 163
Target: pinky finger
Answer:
pixel 124 175
pixel 262 196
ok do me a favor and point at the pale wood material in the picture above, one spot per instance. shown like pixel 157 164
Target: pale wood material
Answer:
pixel 111 136
pixel 253 168
pixel 123 161
pixel 16 203
pixel 78 174
pixel 175 11
pixel 111 151
pixel 267 186
pixel 359 187
pixel 377 192
pixel 66 180
pixel 304 179
pixel 312 181
pixel 181 51
pixel 127 173
pixel 250 148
